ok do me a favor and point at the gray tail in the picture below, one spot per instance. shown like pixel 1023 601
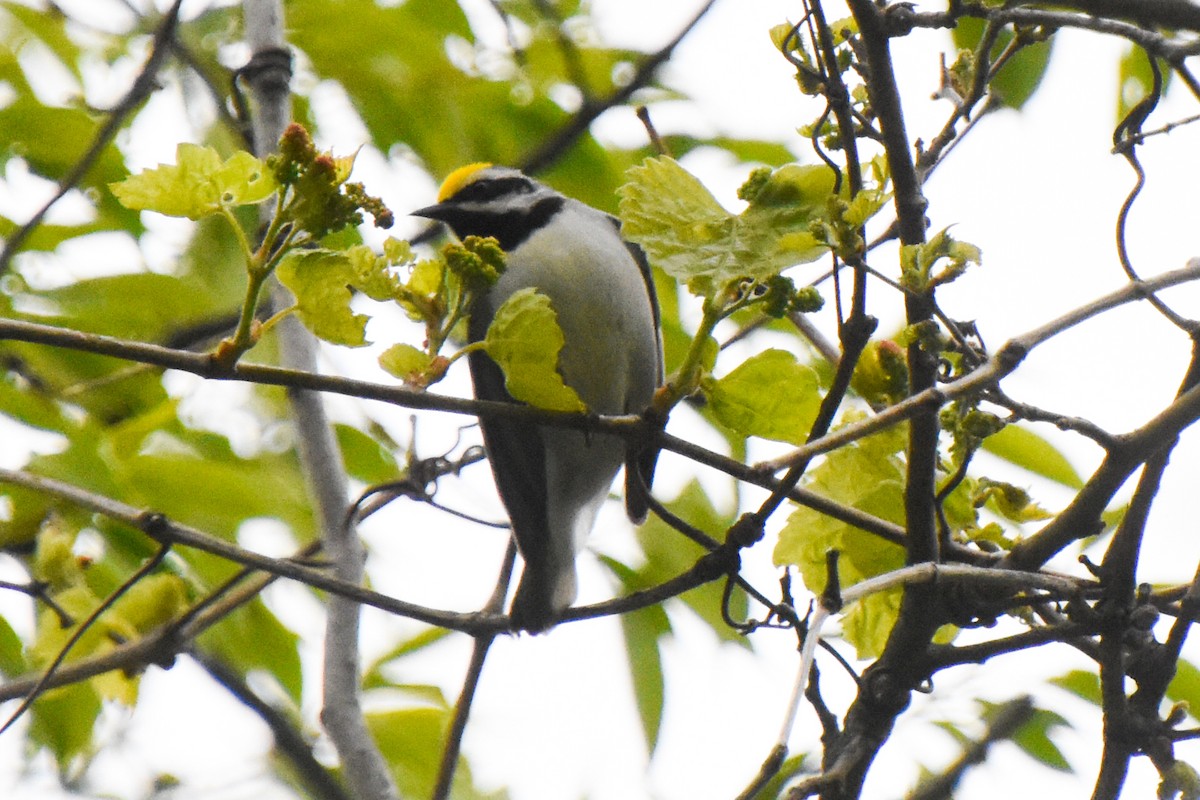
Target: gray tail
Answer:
pixel 532 609
pixel 541 597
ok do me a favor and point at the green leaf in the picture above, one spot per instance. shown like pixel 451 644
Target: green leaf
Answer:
pixel 752 151
pixel 524 339
pixel 62 721
pixel 771 395
pixel 198 184
pixel 153 601
pixel 143 306
pixel 365 458
pixel 867 475
pixel 411 740
pixel 405 362
pixel 1024 448
pixel 688 234
pixel 954 732
pixel 165 473
pixel 1020 77
pixel 80 464
pixel 47 237
pixel 12 651
pixel 1135 79
pixel 49 26
pixel 642 630
pixel 464 117
pixel 1034 738
pixel 1185 685
pixel 667 554
pixel 24 125
pixel 215 260
pixel 106 388
pixel 594 66
pixel 867 623
pixel 252 638
pixel 321 281
pixel 34 407
pixel 373 677
pixel 782 779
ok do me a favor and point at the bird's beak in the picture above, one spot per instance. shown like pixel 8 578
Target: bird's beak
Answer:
pixel 436 211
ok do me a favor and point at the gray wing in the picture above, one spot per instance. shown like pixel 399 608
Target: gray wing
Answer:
pixel 640 462
pixel 518 460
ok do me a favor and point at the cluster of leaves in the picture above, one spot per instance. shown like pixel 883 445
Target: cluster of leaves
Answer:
pixel 313 199
pixel 117 432
pixel 734 263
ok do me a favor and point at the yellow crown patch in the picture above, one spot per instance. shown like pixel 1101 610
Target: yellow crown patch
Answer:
pixel 458 179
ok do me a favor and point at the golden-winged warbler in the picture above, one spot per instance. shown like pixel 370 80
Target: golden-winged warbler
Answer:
pixel 554 480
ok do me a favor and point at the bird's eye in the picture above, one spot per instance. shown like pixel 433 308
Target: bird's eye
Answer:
pixel 489 189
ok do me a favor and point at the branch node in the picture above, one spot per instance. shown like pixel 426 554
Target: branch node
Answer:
pixel 747 531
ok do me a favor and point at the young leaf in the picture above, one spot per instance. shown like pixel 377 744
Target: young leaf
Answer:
pixel 771 395
pixel 867 475
pixel 320 280
pixel 405 362
pixel 687 233
pixel 1009 501
pixel 1180 780
pixel 918 260
pixel 524 339
pixel 199 184
pixel 151 602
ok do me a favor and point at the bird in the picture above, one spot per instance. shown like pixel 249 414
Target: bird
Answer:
pixel 553 481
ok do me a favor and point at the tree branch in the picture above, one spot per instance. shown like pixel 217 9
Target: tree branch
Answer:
pixel 143 86
pixel 289 741
pixel 628 426
pixel 553 148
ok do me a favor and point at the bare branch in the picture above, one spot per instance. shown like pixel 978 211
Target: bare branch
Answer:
pixel 1006 359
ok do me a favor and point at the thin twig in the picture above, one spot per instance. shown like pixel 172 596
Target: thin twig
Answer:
pixel 466 697
pixel 289 742
pixel 84 626
pixel 143 86
pixel 553 147
pixel 173 533
pixel 1005 360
